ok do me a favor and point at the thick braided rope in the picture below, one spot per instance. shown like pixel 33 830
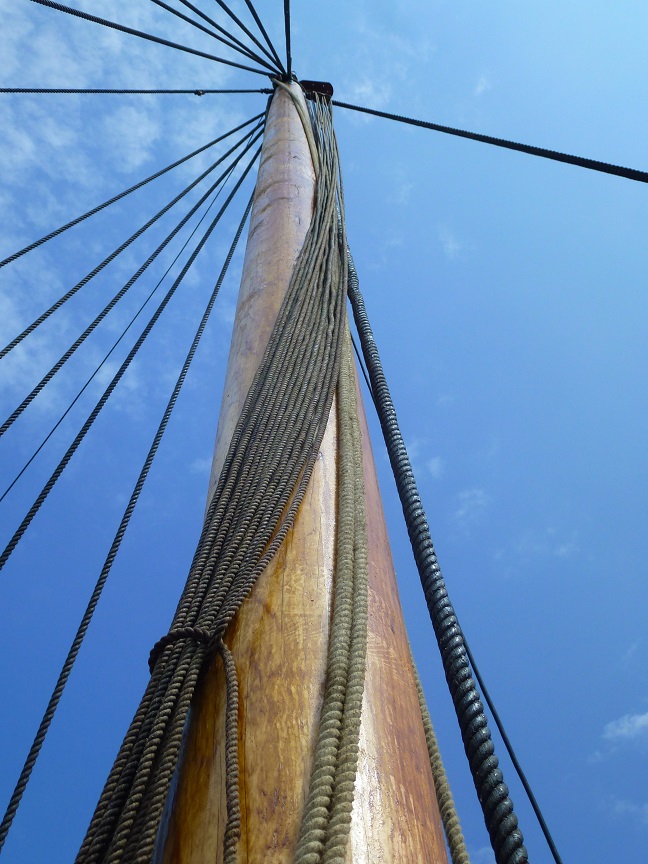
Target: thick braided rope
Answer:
pixel 326 820
pixel 263 480
pixel 449 815
pixel 501 821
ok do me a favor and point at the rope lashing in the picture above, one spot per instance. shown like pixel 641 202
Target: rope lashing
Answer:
pixel 497 807
pixel 263 480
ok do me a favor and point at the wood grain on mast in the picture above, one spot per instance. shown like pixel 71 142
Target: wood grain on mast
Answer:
pixel 279 638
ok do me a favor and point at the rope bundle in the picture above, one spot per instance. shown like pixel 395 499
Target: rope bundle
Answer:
pixel 263 480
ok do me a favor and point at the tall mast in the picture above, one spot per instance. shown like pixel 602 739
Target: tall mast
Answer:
pixel 279 638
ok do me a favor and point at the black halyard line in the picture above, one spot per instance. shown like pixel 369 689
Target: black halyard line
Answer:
pixel 59 7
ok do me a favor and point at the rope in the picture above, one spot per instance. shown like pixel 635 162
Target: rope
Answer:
pixel 193 92
pixel 116 379
pixel 128 191
pixel 218 27
pixel 244 51
pixel 75 647
pixel 158 39
pixel 287 29
pixel 582 162
pixel 259 24
pixel 45 315
pixel 118 340
pixel 501 822
pixel 264 477
pixel 516 764
pixel 247 32
pixel 449 817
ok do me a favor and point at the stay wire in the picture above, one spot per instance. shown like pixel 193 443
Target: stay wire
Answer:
pixel 264 33
pixel 57 305
pixel 148 36
pixel 509 749
pixel 128 191
pixel 247 32
pixel 556 156
pixel 116 379
pixel 63 90
pixel 219 28
pixel 288 51
pixel 221 182
pixel 66 669
pixel 245 52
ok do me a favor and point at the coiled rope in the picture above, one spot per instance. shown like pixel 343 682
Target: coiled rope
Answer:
pixel 262 482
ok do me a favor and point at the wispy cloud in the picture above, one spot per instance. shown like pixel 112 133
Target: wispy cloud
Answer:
pixel 482 86
pixel 622 807
pixel 451 245
pixel 471 504
pixel 436 467
pixel 630 727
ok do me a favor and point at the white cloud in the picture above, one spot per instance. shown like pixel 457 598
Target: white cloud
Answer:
pixel 471 506
pixel 483 84
pixel 629 808
pixel 202 465
pixel 451 246
pixel 630 727
pixel 435 466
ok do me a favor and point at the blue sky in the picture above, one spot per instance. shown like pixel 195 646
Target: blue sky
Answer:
pixel 508 299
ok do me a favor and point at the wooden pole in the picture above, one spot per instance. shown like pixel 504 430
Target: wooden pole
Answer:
pixel 279 638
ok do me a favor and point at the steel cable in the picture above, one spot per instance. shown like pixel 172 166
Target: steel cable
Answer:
pixel 128 285
pixel 287 31
pixel 62 90
pixel 120 337
pixel 247 32
pixel 128 191
pixel 244 51
pixel 55 306
pixel 59 7
pixel 259 24
pixel 581 161
pixel 116 379
pixel 75 647
pixel 501 822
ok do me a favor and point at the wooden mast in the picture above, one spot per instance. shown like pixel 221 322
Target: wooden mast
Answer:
pixel 279 637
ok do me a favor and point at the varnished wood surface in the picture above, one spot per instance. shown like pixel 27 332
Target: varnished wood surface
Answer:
pixel 279 638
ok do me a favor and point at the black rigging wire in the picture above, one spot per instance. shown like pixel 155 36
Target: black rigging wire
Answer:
pixel 222 29
pixel 581 161
pixel 288 51
pixel 219 183
pixel 121 195
pixel 247 32
pixel 194 92
pixel 259 24
pixel 55 306
pixel 66 669
pixel 245 52
pixel 123 29
pixel 509 749
pixel 118 376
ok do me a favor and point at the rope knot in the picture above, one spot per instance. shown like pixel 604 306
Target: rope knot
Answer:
pixel 196 634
